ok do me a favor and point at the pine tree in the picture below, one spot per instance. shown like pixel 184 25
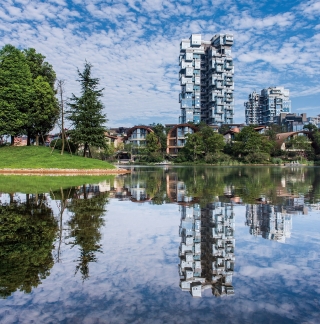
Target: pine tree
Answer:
pixel 86 113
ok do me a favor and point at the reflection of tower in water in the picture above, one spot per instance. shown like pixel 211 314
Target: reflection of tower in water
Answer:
pixel 207 249
pixel 271 222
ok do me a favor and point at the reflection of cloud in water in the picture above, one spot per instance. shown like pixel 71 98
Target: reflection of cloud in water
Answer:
pixel 135 279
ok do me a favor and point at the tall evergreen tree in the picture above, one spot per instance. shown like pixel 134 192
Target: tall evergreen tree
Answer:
pixel 86 113
pixel 16 91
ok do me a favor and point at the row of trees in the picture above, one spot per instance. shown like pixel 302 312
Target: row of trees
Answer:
pixel 28 103
pixel 247 146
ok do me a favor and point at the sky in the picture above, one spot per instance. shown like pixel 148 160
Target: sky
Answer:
pixel 133 46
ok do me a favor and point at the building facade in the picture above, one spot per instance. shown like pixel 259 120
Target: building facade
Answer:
pixel 252 109
pixel 206 79
pixel 264 109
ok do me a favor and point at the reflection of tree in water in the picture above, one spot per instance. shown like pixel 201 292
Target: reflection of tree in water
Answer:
pixel 85 226
pixel 27 232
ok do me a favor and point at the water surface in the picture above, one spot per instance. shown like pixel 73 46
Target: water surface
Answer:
pixel 176 244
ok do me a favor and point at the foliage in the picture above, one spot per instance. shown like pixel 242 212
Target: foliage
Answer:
pixel 44 111
pixel 251 143
pixel 316 141
pixel 217 158
pixel 194 146
pixel 300 146
pixel 27 96
pixel 257 157
pixel 16 91
pixel 223 129
pixel 85 224
pixel 310 127
pixel 39 157
pixel 39 67
pixel 86 112
pixel 152 143
pixel 26 242
pixel 276 161
pixel 160 132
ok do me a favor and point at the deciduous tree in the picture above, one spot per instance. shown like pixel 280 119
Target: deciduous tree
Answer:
pixel 16 91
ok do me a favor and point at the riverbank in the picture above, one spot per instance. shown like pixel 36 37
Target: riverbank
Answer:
pixel 42 160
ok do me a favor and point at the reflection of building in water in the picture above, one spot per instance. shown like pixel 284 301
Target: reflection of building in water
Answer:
pixel 176 190
pixel 271 222
pixel 207 249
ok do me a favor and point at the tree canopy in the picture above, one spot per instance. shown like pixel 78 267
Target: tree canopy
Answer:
pixel 27 98
pixel 86 113
pixel 15 91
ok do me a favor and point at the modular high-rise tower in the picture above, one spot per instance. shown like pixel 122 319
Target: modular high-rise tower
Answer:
pixel 206 79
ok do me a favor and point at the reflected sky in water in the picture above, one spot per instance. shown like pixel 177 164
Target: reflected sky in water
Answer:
pixel 117 251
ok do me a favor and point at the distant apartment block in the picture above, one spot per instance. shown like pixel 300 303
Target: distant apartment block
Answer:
pixel 253 115
pixel 271 222
pixel 206 79
pixel 264 108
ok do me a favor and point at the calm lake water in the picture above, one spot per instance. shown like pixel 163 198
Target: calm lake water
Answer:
pixel 165 245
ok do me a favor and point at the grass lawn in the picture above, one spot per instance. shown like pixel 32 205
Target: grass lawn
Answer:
pixel 45 184
pixel 40 157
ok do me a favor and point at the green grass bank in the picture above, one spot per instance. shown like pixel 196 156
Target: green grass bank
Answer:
pixel 40 157
pixel 45 184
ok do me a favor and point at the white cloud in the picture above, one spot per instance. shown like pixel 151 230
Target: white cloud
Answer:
pixel 134 47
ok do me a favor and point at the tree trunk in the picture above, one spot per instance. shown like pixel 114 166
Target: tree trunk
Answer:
pixel 37 140
pixel 28 139
pixel 85 150
pixel 12 140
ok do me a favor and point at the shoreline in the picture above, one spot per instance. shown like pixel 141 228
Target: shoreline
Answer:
pixel 58 172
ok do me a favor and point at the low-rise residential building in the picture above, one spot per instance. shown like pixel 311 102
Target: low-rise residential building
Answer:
pixel 137 135
pixel 177 137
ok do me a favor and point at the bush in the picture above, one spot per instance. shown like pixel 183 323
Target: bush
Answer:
pixel 257 157
pixel 57 144
pixel 217 158
pixel 276 161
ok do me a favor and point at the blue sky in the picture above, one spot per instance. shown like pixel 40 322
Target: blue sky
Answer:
pixel 134 48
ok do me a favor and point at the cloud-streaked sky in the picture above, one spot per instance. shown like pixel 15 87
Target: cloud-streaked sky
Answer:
pixel 133 46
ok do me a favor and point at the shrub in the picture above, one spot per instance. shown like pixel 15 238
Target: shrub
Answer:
pixel 257 157
pixel 276 161
pixel 217 158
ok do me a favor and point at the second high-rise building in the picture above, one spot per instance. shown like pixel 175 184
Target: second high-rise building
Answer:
pixel 206 79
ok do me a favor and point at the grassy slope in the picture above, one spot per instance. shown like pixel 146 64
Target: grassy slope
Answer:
pixel 40 157
pixel 45 184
